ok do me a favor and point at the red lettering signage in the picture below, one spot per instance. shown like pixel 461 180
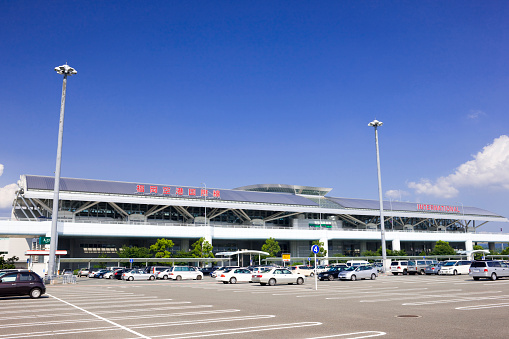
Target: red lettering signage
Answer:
pixel 165 190
pixel 438 208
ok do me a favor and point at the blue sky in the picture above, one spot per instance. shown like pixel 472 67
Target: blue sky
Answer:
pixel 235 93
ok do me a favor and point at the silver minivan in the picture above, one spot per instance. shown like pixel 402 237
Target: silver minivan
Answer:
pixel 489 269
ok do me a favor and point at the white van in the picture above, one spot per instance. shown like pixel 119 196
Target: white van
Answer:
pixel 357 263
pixel 455 267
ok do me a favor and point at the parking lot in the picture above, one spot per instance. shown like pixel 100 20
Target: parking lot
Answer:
pixel 390 306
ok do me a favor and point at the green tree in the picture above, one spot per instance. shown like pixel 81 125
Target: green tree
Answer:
pixel 368 254
pixel 322 252
pixel 505 252
pixel 202 249
pixel 9 263
pixel 272 247
pixel 133 252
pixel 162 248
pixel 443 248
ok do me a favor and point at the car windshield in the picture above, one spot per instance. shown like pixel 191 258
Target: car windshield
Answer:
pixel 449 263
pixel 351 268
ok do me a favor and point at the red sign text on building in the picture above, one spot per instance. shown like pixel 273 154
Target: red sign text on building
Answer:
pixel 438 208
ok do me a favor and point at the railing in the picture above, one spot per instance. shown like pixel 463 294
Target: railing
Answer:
pixel 121 222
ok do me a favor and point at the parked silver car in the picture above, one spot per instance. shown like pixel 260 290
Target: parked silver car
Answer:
pixel 489 269
pixel 137 275
pixel 278 276
pixel 433 268
pixel 357 273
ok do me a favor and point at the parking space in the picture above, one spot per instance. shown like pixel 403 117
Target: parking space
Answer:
pixel 392 306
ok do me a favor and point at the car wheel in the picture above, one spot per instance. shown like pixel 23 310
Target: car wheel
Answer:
pixel 300 281
pixel 331 277
pixel 35 293
pixel 130 278
pixel 422 272
pixel 100 277
pixel 272 282
pixel 476 278
pixel 198 277
pixel 165 277
pixel 493 276
pixel 178 278
pixel 405 272
pixel 233 280
pixel 373 276
pixel 311 274
pixel 454 272
pixel 353 278
pixel 151 277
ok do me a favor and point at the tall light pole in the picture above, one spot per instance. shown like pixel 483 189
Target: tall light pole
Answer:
pixel 64 70
pixel 375 123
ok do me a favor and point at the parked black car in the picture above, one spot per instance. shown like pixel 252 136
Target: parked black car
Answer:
pixel 118 273
pixel 21 283
pixel 331 274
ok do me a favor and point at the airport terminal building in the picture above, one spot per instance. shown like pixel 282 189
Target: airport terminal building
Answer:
pixel 98 217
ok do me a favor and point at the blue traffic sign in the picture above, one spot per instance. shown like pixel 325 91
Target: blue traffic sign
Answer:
pixel 315 248
pixel 131 261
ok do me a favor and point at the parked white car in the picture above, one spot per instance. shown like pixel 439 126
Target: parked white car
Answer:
pixel 278 276
pixel 137 275
pixel 399 266
pixel 455 267
pixel 180 273
pixel 235 275
pixel 109 275
pixel 221 269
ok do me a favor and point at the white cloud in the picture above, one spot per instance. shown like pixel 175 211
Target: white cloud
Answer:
pixel 395 194
pixel 7 194
pixel 474 114
pixel 488 169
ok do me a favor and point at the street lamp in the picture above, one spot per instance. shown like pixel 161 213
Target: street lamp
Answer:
pixel 64 70
pixel 375 123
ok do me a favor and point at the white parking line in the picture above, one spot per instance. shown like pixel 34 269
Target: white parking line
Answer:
pixel 354 335
pixel 229 331
pixel 423 296
pixel 104 319
pixel 151 325
pixel 431 302
pixel 481 307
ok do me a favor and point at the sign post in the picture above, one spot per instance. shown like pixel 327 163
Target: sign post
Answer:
pixel 315 249
pixel 131 263
pixel 286 258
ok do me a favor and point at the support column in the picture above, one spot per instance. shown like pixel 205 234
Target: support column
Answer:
pixel 396 245
pixel 184 245
pixel 469 245
pixel 294 248
pixel 491 246
pixel 363 246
